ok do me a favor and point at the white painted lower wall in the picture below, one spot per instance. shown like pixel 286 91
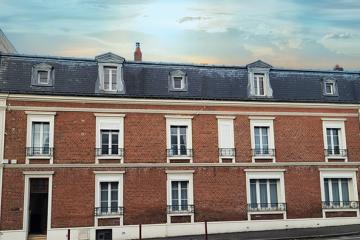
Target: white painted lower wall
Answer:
pixel 183 229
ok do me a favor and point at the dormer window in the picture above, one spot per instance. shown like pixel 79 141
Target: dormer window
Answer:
pixel 330 88
pixel 177 81
pixel 259 79
pixel 42 75
pixel 110 76
pixel 259 84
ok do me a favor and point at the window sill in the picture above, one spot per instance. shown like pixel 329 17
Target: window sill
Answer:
pixel 336 157
pixel 267 212
pixel 185 213
pixel 110 216
pixel 185 158
pixel 231 158
pixel 263 157
pixel 104 157
pixel 46 157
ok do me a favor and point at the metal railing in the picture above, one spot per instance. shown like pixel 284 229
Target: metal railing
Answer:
pixel 108 211
pixel 189 208
pixel 335 152
pixel 227 152
pixel 39 151
pixel 109 152
pixel 183 152
pixel 266 207
pixel 266 152
pixel 340 205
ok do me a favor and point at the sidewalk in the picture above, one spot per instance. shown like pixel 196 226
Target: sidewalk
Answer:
pixel 302 233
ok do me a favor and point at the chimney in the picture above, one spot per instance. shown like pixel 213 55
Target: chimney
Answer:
pixel 338 68
pixel 137 53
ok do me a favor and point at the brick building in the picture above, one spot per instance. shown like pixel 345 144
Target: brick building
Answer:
pixel 99 146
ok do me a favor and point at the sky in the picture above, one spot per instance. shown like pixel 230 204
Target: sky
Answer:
pixel 314 34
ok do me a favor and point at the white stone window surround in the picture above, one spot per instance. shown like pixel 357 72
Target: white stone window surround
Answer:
pixel 180 175
pixel 109 122
pixel 277 174
pixel 42 67
pixel 31 175
pixel 334 87
pixel 335 123
pixel 109 176
pixel 33 116
pixel 252 72
pixel 178 74
pixel 227 121
pixel 349 173
pixel 179 120
pixel 119 77
pixel 263 122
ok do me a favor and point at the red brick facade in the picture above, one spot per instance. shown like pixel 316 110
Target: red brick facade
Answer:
pixel 220 192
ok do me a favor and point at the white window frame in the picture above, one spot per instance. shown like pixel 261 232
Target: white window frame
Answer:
pixel 182 82
pixel 180 175
pixel 38 77
pixel 349 173
pixel 226 120
pixel 256 80
pixel 335 123
pixel 265 72
pixel 111 81
pixel 177 120
pixel 258 174
pixel 109 122
pixel 263 122
pixel 119 81
pixel 176 74
pixel 109 176
pixel 39 117
pixel 334 88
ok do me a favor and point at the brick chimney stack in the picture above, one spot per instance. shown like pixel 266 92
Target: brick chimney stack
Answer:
pixel 338 68
pixel 137 53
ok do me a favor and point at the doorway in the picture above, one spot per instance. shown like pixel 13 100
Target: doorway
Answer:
pixel 38 206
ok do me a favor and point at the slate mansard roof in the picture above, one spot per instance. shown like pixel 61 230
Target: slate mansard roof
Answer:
pixel 77 77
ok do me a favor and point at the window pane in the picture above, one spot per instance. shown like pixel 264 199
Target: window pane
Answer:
pixel 335 190
pixel 177 82
pixel 257 139
pixel 345 189
pixel 43 77
pixel 261 85
pixel 36 135
pixel 329 138
pixel 329 88
pixel 273 192
pixel 184 195
pixel 336 141
pixel 253 198
pixel 106 78
pixel 113 79
pixel 263 192
pixel 326 189
pixel 256 85
pixel 265 139
pixel 114 142
pixel 174 193
pixel 105 142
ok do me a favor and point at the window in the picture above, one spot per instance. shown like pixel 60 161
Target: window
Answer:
pixel 180 199
pixel 336 191
pixel 179 137
pixel 109 136
pixel 40 138
pixel 330 88
pixel 109 142
pixel 42 75
pixel 226 138
pixel 262 138
pixel 339 190
pixel 177 81
pixel 178 140
pixel 259 85
pixel 334 139
pixel 110 74
pixel 109 195
pixel 40 135
pixel 264 194
pixel 110 78
pixel 179 195
pixel 265 191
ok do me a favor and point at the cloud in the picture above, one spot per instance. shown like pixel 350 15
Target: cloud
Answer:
pixel 190 19
pixel 339 36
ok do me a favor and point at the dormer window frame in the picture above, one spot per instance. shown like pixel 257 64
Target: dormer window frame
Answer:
pixel 110 60
pixel 36 75
pixel 254 75
pixel 334 90
pixel 113 67
pixel 175 75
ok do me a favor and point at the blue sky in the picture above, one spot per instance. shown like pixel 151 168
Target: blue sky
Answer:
pixel 284 33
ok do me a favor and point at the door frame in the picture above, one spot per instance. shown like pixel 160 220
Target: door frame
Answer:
pixel 36 174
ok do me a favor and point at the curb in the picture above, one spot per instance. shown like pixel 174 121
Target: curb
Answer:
pixel 312 236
